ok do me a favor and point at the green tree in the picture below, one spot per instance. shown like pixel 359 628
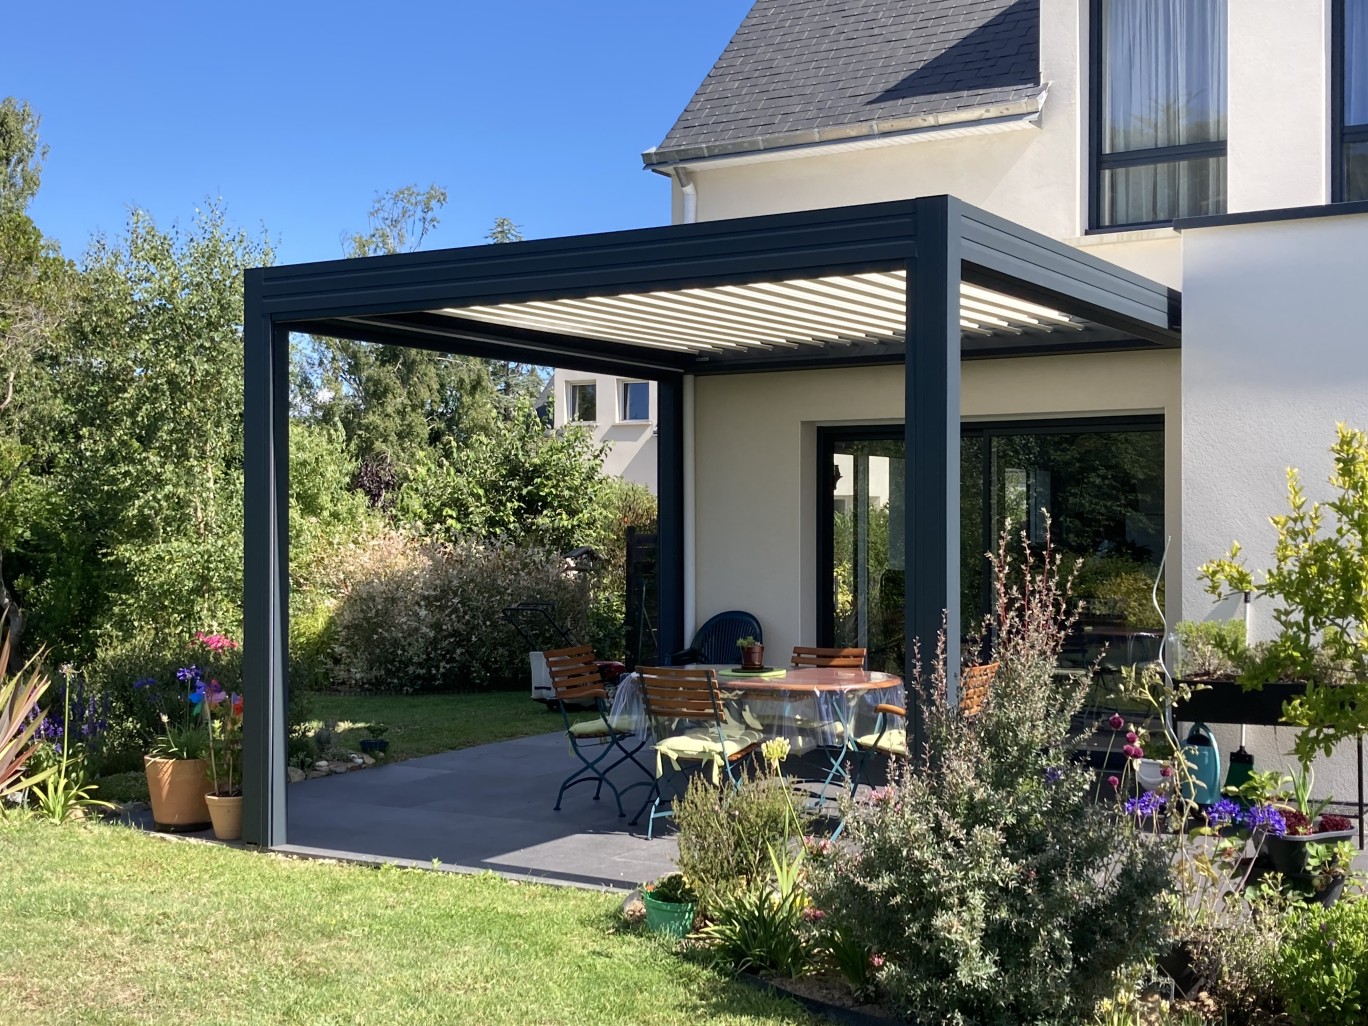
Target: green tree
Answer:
pixel 394 403
pixel 522 482
pixel 147 485
pixel 34 288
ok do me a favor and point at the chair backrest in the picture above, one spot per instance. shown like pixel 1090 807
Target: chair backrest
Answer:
pixel 842 658
pixel 716 640
pixel 974 684
pixel 574 673
pixel 676 693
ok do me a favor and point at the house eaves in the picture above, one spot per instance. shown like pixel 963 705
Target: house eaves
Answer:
pixel 948 124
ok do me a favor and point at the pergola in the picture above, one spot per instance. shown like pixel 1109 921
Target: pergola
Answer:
pixel 923 283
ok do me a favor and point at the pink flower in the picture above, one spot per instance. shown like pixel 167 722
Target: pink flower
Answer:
pixel 876 961
pixel 1116 721
pixel 1166 771
pixel 1132 737
pixel 812 914
pixel 1133 751
pixel 1115 782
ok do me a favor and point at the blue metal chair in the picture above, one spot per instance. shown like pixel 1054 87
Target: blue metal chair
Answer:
pixel 715 641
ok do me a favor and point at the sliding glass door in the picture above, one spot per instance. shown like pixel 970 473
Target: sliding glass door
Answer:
pixel 1099 484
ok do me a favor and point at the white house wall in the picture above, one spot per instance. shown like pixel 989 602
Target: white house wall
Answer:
pixel 1275 352
pixel 632 444
pixel 755 494
pixel 1279 104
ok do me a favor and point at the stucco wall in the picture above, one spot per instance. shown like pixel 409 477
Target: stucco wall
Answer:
pixel 1279 104
pixel 1275 351
pixel 755 500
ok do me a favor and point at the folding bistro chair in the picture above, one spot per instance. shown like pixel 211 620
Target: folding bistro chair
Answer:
pixel 841 658
pixel 576 678
pixel 690 724
pixel 891 740
pixel 811 657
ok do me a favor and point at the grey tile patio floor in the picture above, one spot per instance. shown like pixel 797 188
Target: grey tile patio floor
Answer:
pixel 481 808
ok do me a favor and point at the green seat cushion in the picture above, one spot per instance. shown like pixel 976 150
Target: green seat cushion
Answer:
pixel 701 744
pixel 893 742
pixel 597 728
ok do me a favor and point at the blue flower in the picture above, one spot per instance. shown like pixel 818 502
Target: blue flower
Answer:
pixel 190 675
pixel 1054 775
pixel 1266 818
pixel 1148 804
pixel 145 682
pixel 1223 813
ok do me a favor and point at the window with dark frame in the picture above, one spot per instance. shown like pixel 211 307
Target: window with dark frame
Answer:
pixel 636 400
pixel 584 402
pixel 1158 70
pixel 1351 179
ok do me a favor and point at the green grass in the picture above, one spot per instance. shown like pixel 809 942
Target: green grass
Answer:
pixel 428 724
pixel 106 926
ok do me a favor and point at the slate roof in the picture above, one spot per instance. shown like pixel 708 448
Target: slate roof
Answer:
pixel 806 70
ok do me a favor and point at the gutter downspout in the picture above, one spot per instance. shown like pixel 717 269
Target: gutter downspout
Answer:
pixel 688 189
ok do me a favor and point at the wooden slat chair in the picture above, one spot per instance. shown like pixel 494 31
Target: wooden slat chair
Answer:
pixel 691 725
pixel 576 678
pixel 841 658
pixel 890 739
pixel 809 656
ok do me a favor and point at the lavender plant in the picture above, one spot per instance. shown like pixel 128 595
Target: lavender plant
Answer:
pixel 989 885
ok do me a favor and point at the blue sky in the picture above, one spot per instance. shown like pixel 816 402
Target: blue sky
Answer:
pixel 296 113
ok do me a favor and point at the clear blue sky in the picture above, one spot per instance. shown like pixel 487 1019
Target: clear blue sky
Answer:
pixel 296 112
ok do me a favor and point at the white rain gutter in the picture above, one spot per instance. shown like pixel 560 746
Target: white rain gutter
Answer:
pixel 688 190
pixel 956 124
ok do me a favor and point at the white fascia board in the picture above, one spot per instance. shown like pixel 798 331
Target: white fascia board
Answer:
pixel 874 135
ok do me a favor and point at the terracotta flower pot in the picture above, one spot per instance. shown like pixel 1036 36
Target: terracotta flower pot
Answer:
pixel 226 813
pixel 176 788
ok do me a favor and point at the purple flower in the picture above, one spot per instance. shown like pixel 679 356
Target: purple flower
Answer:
pixel 1115 782
pixel 190 675
pixel 1148 804
pixel 145 682
pixel 1134 751
pixel 1132 736
pixel 1054 775
pixel 1267 819
pixel 1223 813
pixel 1116 721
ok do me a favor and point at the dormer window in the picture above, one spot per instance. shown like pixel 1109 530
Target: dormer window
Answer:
pixel 1351 100
pixel 1158 111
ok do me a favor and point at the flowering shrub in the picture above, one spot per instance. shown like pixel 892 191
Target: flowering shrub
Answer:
pixel 416 616
pixel 991 885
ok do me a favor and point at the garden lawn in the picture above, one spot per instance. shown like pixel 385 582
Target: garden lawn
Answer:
pixel 108 925
pixel 428 724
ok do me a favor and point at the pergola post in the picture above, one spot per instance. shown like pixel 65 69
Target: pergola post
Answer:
pixel 670 515
pixel 932 438
pixel 266 473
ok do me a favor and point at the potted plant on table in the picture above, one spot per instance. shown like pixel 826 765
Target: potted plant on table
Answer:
pixel 1305 819
pixel 752 653
pixel 670 905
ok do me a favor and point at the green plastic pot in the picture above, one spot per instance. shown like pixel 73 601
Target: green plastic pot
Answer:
pixel 675 919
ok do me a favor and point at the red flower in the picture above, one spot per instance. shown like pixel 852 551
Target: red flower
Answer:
pixel 1116 721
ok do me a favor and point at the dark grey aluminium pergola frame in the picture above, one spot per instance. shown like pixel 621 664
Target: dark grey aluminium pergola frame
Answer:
pixel 938 241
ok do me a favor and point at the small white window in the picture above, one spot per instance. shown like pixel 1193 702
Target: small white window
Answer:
pixel 636 400
pixel 583 403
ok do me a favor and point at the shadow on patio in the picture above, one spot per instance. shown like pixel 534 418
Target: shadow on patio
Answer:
pixel 483 808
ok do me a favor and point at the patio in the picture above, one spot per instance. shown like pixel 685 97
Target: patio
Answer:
pixel 481 808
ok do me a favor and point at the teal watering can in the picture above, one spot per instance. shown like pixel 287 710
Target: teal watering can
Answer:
pixel 1204 763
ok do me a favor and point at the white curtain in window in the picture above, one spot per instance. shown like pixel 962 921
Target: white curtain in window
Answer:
pixel 1163 84
pixel 1356 62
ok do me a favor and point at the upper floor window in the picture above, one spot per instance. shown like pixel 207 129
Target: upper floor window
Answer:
pixel 636 400
pixel 583 401
pixel 1352 101
pixel 1159 110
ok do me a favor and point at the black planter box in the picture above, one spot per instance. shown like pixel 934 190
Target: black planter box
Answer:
pixel 1224 701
